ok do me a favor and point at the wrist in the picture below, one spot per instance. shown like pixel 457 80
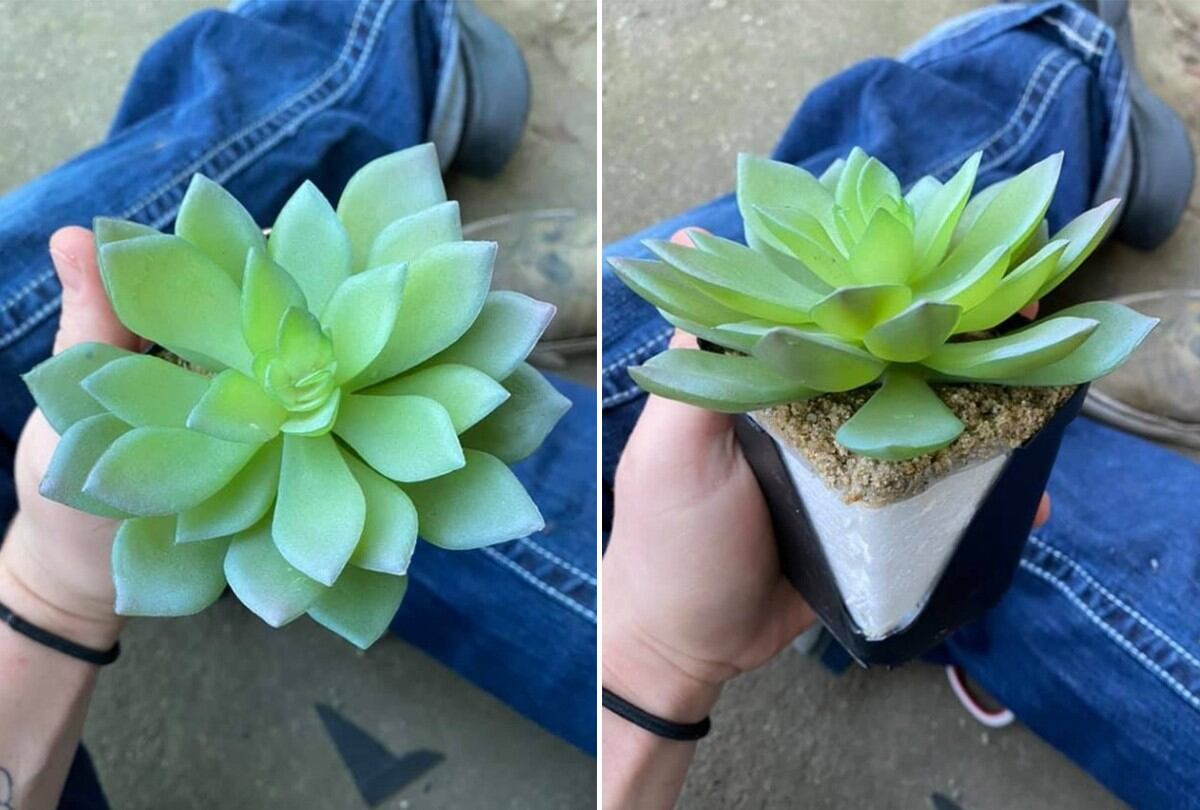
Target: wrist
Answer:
pixel 642 672
pixel 38 598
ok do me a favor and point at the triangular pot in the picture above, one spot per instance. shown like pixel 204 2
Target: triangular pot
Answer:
pixel 971 527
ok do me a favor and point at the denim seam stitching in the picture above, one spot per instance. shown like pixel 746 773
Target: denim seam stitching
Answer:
pixel 623 359
pixel 25 289
pixel 300 109
pixel 1116 600
pixel 559 561
pixel 541 585
pixel 1013 119
pixel 1051 92
pixel 1088 45
pixel 283 109
pixel 1177 687
pixel 283 130
pixel 38 315
pixel 623 393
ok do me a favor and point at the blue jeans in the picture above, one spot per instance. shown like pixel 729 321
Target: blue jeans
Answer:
pixel 258 99
pixel 1097 645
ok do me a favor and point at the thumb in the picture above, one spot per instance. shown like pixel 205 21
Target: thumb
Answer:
pixel 87 314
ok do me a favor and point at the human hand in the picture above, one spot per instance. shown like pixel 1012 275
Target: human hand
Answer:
pixel 693 590
pixel 55 568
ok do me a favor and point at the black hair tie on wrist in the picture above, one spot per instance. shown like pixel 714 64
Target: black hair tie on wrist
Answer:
pixel 56 642
pixel 682 732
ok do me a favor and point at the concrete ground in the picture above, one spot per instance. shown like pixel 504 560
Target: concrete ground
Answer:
pixel 218 710
pixel 688 85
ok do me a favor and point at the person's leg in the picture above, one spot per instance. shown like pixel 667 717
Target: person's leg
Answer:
pixel 1095 647
pixel 259 99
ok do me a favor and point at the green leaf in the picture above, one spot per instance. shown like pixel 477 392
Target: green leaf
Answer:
pixel 55 383
pixel 913 334
pixel 236 409
pixel 1015 290
pixel 361 316
pixel 309 242
pixel 360 606
pixel 390 532
pixel 466 393
pixel 1009 218
pixel 967 289
pixel 479 505
pixel 1121 330
pixel 320 511
pixel 829 177
pixel 1036 241
pixel 406 239
pixel 216 223
pixel 763 182
pixel 727 383
pixel 519 426
pixel 407 438
pixel 169 292
pixel 803 237
pixel 975 206
pixel 884 255
pixel 444 292
pixel 816 360
pixel 317 422
pixel 901 420
pixel 146 391
pixel 110 229
pixel 851 312
pixel 668 289
pixel 877 187
pixel 106 230
pixel 159 470
pixel 738 254
pixel 301 340
pixel 1014 354
pixel 267 293
pixel 939 214
pixel 737 339
pixel 77 452
pixel 920 194
pixel 753 286
pixel 239 504
pixel 846 193
pixel 155 576
pixel 506 331
pixel 264 581
pixel 385 190
pixel 1085 233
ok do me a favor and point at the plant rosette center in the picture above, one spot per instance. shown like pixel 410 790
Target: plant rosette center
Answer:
pixel 846 282
pixel 344 386
pixel 299 372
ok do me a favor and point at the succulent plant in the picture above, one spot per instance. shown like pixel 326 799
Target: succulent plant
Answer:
pixel 846 282
pixel 343 385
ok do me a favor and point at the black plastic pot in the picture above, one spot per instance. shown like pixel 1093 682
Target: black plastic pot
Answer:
pixel 977 574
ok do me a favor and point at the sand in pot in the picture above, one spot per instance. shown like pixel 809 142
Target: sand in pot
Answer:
pixel 888 528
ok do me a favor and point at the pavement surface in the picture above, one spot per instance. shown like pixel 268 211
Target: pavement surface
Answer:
pixel 218 710
pixel 688 84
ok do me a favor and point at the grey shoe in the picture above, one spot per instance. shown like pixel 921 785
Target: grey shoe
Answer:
pixel 1160 167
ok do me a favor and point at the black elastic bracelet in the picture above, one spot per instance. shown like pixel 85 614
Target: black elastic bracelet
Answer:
pixel 683 732
pixel 56 642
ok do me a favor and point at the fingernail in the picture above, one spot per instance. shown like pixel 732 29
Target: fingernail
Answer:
pixel 68 268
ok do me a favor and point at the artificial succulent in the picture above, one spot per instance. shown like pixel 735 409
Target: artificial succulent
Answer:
pixel 847 282
pixel 340 386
